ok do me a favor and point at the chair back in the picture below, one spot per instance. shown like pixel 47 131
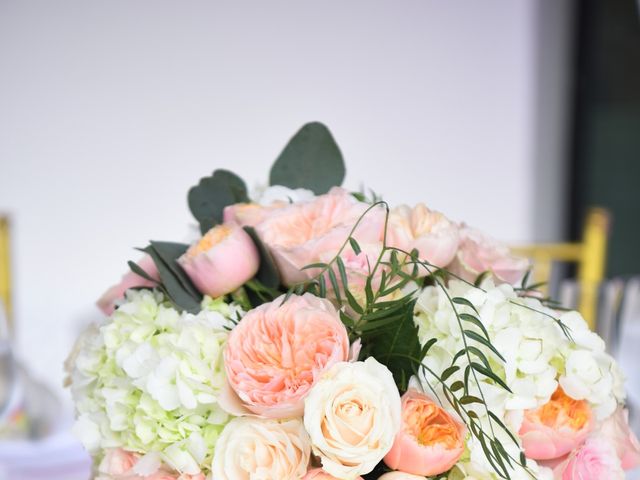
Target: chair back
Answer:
pixel 590 255
pixel 5 271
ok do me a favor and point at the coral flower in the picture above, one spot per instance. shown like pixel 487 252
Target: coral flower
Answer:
pixel 223 259
pixel 555 428
pixel 279 350
pixel 430 441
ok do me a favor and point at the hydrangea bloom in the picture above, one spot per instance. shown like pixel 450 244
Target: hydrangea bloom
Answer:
pixel 538 355
pixel 149 379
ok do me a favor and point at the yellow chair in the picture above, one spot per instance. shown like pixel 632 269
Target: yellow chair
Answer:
pixel 5 268
pixel 590 254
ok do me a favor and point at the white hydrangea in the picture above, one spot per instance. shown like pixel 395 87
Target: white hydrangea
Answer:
pixel 538 356
pixel 149 379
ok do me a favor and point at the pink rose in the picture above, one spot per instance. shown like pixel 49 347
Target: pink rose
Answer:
pixel 279 350
pixel 596 459
pixel 479 253
pixel 431 233
pixel 615 430
pixel 319 474
pixel 107 302
pixel 429 442
pixel 249 214
pixel 303 233
pixel 222 261
pixel 555 428
pixel 118 461
pixel 119 464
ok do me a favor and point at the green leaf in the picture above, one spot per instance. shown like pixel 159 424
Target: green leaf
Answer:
pixel 208 199
pixel 396 344
pixel 355 245
pixel 310 160
pixel 480 339
pixel 448 372
pixel 137 269
pixel 489 373
pixel 181 298
pixel 268 273
pixel 465 302
pixel 334 285
pixel 170 252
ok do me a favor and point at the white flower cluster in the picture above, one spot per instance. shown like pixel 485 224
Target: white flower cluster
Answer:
pixel 538 356
pixel 148 380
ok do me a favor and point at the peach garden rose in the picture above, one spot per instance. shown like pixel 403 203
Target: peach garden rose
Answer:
pixel 279 350
pixel 555 428
pixel 221 261
pixel 431 233
pixel 429 442
pixel 352 415
pixel 303 233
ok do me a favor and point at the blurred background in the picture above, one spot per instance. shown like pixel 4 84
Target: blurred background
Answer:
pixel 514 116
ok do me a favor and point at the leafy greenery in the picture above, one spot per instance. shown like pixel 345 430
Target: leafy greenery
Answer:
pixel 381 316
pixel 208 199
pixel 310 160
pixel 174 282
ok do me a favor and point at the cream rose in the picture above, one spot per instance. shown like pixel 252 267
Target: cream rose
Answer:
pixel 352 415
pixel 252 447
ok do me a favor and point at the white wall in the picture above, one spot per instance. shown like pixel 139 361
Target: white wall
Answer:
pixel 110 110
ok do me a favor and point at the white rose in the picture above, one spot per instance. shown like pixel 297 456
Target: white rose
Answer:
pixel 251 447
pixel 278 193
pixel 352 415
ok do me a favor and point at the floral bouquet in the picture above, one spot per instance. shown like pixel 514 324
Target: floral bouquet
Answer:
pixel 317 333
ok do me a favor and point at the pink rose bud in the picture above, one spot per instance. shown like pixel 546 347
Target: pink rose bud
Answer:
pixel 429 442
pixel 596 459
pixel 319 474
pixel 616 430
pixel 107 302
pixel 479 253
pixel 555 428
pixel 279 350
pixel 223 260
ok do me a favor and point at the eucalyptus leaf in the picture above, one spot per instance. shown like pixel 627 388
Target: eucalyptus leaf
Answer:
pixel 310 160
pixel 208 199
pixel 267 272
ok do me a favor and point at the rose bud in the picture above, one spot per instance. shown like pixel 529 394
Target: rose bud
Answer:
pixel 107 303
pixel 429 442
pixel 223 260
pixel 555 428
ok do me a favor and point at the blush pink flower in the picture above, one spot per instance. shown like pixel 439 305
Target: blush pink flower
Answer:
pixel 401 476
pixel 302 233
pixel 107 301
pixel 596 459
pixel 249 214
pixel 429 442
pixel 279 350
pixel 615 429
pixel 479 253
pixel 434 236
pixel 319 474
pixel 223 260
pixel 555 428
pixel 119 464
